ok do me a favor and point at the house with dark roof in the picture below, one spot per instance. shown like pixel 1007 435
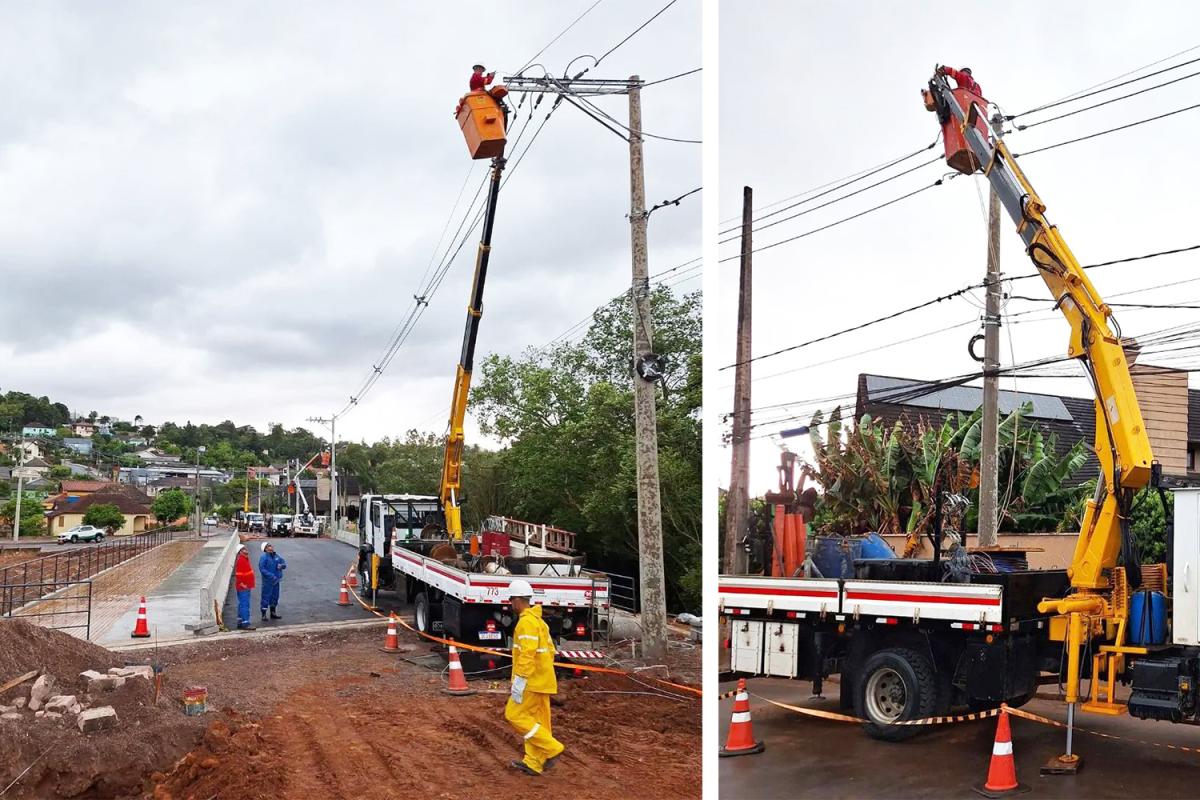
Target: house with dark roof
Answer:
pixel 1170 410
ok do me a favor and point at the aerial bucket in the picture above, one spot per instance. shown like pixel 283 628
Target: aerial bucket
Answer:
pixel 481 118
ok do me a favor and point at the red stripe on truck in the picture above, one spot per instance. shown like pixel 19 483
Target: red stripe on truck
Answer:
pixel 955 600
pixel 445 574
pixel 787 592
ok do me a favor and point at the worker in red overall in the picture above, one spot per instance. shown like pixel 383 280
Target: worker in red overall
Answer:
pixel 963 78
pixel 478 79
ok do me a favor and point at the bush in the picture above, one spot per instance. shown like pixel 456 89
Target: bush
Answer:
pixel 105 515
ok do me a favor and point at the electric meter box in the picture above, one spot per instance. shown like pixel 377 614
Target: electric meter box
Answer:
pixel 1185 568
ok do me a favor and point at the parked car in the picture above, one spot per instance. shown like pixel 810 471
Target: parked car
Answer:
pixel 82 533
pixel 211 519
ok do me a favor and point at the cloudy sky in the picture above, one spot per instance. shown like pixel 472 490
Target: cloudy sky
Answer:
pixel 814 92
pixel 218 211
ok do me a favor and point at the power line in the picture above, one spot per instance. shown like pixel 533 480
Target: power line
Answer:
pixel 1105 132
pixel 635 32
pixel 1106 102
pixel 1078 96
pixel 938 182
pixel 868 187
pixel 841 184
pixel 673 77
pixel 674 202
pixel 560 34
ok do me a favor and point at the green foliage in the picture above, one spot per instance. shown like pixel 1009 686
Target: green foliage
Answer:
pixel 170 505
pixel 60 471
pixel 566 416
pixel 233 447
pixel 1149 524
pixel 18 409
pixel 33 519
pixel 104 515
pixel 883 479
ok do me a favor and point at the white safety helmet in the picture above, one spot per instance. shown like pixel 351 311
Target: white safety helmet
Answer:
pixel 520 587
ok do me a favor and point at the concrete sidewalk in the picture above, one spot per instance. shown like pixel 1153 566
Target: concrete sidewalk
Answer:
pixel 183 596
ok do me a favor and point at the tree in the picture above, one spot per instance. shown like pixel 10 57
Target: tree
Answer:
pixel 33 519
pixel 566 416
pixel 60 471
pixel 171 505
pixel 105 515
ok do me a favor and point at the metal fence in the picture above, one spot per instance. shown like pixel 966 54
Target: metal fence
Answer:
pixel 622 591
pixel 19 583
pixel 64 605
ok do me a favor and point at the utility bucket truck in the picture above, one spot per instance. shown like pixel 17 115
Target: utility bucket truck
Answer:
pixel 915 638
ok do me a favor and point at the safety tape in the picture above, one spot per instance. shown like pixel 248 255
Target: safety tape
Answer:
pixel 503 654
pixel 942 720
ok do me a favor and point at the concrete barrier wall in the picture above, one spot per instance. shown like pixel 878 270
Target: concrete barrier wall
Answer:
pixel 215 587
pixel 347 537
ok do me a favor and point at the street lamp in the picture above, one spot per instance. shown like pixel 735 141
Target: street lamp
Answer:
pixel 199 450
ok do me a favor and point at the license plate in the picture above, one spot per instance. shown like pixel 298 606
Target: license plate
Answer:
pixel 490 635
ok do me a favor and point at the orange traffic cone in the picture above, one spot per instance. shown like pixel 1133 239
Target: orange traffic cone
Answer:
pixel 1002 773
pixel 352 578
pixel 740 741
pixel 391 644
pixel 141 629
pixel 344 597
pixel 458 681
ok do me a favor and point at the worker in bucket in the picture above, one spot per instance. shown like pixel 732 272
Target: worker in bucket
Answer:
pixel 478 79
pixel 243 576
pixel 271 566
pixel 533 681
pixel 963 78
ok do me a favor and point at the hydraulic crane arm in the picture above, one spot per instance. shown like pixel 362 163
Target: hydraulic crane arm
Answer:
pixel 1122 445
pixel 451 484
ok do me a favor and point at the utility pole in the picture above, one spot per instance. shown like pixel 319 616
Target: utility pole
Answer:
pixel 989 466
pixel 330 423
pixel 650 540
pixel 199 450
pixel 20 491
pixel 737 503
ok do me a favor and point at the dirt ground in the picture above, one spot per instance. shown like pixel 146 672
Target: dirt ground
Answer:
pixel 330 715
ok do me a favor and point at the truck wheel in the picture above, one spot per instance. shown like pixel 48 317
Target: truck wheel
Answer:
pixel 421 613
pixel 895 684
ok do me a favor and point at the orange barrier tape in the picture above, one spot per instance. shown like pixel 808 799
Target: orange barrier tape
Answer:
pixel 505 654
pixel 830 715
pixel 1016 712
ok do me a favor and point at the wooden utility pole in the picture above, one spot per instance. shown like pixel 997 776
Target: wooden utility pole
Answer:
pixel 989 479
pixel 737 502
pixel 650 540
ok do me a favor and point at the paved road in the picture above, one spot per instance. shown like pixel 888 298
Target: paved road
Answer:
pixel 309 591
pixel 808 757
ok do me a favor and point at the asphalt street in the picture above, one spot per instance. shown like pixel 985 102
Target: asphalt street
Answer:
pixel 309 590
pixel 809 757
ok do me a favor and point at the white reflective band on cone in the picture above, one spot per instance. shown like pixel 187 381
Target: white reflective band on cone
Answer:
pixel 455 665
pixel 741 716
pixel 1002 749
pixel 533 730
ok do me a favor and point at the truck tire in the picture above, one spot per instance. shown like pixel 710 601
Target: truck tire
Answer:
pixel 895 684
pixel 422 613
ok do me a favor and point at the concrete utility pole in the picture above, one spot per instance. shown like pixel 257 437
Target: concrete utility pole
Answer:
pixel 330 423
pixel 737 502
pixel 199 450
pixel 989 479
pixel 650 540
pixel 20 491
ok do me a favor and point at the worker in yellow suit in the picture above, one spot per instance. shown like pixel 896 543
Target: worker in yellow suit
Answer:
pixel 533 681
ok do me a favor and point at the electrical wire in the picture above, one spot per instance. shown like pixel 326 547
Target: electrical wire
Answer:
pixel 674 202
pixel 1081 96
pixel 1105 103
pixel 561 33
pixel 1106 132
pixel 635 32
pixel 673 77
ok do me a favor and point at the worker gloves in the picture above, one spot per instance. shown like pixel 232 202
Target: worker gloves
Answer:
pixel 518 690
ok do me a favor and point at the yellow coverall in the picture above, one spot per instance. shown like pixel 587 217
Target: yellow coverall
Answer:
pixel 533 660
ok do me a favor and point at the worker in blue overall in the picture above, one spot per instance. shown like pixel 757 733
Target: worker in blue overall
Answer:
pixel 270 566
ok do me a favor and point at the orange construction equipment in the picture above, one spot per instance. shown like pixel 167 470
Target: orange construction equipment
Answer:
pixel 141 629
pixel 481 118
pixel 344 597
pixel 457 685
pixel 740 741
pixel 1002 772
pixel 790 529
pixel 391 643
